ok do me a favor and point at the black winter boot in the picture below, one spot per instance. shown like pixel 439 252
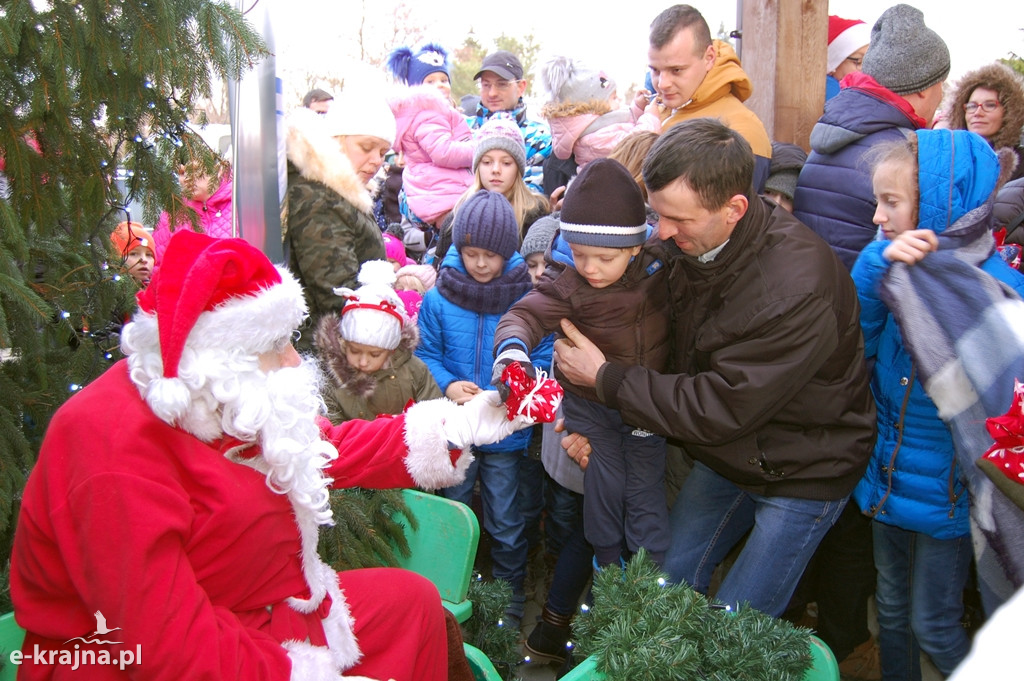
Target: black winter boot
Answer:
pixel 547 640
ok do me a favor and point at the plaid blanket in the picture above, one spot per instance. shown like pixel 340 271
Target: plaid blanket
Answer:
pixel 965 332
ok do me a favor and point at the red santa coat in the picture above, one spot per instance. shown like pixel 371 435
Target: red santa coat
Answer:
pixel 185 549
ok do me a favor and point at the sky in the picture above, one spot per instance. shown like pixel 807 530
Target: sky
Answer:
pixel 311 34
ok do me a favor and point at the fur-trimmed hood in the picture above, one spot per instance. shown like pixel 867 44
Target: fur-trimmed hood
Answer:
pixel 319 157
pixel 556 109
pixel 332 346
pixel 1010 87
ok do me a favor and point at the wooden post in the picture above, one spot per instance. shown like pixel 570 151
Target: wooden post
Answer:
pixel 783 52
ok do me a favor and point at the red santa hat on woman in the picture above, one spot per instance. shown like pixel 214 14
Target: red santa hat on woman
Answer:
pixel 845 36
pixel 219 293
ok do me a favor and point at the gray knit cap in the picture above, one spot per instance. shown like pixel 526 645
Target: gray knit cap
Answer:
pixel 604 207
pixel 486 220
pixel 503 134
pixel 905 56
pixel 787 160
pixel 540 235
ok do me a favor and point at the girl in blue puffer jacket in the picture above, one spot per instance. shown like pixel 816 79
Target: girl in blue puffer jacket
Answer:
pixel 933 182
pixel 480 277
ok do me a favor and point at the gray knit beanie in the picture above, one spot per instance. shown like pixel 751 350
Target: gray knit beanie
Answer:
pixel 604 207
pixel 787 160
pixel 504 134
pixel 486 220
pixel 540 235
pixel 905 56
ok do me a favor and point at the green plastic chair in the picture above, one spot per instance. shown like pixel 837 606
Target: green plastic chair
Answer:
pixel 824 666
pixel 11 638
pixel 480 665
pixel 443 548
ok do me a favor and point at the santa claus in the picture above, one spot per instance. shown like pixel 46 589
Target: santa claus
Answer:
pixel 180 493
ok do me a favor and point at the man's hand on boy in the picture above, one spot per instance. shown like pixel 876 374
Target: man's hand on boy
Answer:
pixel 577 357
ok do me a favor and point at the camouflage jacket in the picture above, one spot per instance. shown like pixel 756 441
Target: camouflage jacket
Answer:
pixel 331 229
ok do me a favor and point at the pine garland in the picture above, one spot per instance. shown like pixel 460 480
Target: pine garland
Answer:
pixel 641 628
pixel 486 629
pixel 365 532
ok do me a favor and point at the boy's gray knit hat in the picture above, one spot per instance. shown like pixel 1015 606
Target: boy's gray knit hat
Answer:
pixel 604 207
pixel 538 238
pixel 905 56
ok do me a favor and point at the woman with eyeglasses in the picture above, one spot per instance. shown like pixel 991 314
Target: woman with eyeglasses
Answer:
pixel 847 44
pixel 990 102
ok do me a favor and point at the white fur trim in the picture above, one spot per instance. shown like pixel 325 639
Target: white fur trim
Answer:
pixel 319 157
pixel 309 662
pixel 846 43
pixel 429 459
pixel 252 323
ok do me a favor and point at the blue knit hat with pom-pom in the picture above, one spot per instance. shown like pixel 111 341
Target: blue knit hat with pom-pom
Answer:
pixel 412 68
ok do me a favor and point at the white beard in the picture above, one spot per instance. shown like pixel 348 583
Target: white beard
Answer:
pixel 281 415
pixel 221 393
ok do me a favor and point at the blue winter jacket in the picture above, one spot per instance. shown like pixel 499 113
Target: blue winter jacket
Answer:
pixel 833 195
pixel 456 344
pixel 912 480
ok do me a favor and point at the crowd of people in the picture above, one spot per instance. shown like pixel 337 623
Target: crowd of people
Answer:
pixel 777 366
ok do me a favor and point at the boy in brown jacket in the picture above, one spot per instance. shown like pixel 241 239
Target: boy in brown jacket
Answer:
pixel 615 287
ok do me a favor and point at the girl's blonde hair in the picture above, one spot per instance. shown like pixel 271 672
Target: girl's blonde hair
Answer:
pixel 899 152
pixel 631 152
pixel 522 198
pixel 410 282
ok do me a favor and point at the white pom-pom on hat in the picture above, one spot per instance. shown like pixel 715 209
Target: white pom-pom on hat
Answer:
pixel 373 314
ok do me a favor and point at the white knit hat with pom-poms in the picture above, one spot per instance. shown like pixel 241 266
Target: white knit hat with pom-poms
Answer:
pixel 373 314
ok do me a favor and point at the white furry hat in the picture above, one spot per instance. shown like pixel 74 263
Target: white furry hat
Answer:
pixel 568 80
pixel 373 314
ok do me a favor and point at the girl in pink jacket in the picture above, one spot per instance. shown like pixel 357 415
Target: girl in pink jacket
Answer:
pixel 209 197
pixel 432 134
pixel 583 112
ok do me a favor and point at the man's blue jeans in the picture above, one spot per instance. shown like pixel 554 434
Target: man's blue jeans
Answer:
pixel 711 515
pixel 920 600
pixel 502 517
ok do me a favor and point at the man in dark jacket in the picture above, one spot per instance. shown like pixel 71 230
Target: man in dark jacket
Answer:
pixel 770 392
pixel 897 91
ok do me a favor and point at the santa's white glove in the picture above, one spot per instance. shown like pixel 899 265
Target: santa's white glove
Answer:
pixel 481 421
pixel 506 357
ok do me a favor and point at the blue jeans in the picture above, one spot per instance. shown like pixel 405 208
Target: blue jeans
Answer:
pixel 920 600
pixel 531 497
pixel 711 515
pixel 503 519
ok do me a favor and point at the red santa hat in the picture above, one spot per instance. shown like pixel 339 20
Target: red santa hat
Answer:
pixel 845 36
pixel 219 293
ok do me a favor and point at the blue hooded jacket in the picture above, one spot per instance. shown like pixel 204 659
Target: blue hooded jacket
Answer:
pixel 456 344
pixel 912 480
